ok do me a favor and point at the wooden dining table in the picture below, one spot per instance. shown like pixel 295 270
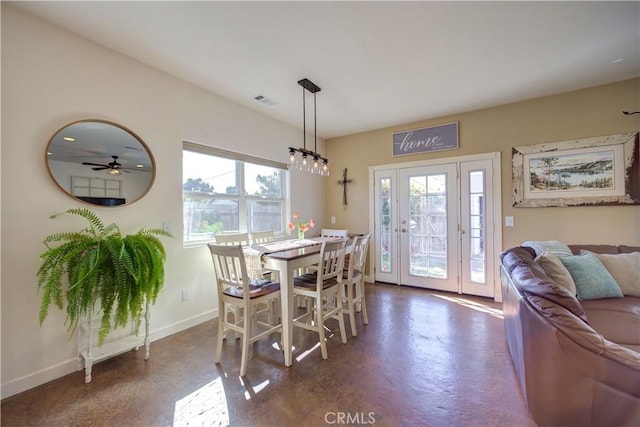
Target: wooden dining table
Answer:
pixel 303 254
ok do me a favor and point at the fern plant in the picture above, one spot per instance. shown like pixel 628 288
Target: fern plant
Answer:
pixel 97 268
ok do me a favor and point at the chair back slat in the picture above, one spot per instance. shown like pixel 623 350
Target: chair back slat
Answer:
pixel 230 268
pixel 233 239
pixel 331 260
pixel 358 255
pixel 262 237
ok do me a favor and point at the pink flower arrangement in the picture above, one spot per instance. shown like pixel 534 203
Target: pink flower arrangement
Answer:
pixel 302 226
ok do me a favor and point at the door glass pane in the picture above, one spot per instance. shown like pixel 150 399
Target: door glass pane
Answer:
pixel 477 226
pixel 385 224
pixel 427 226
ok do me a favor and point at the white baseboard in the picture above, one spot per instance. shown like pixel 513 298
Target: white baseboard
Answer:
pixel 42 376
pixel 174 328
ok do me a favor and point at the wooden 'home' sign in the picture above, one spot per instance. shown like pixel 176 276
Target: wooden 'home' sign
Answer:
pixel 434 138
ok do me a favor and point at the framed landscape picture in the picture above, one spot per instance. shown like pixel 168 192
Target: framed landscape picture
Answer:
pixel 584 172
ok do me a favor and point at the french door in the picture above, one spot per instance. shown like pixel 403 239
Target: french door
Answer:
pixel 434 225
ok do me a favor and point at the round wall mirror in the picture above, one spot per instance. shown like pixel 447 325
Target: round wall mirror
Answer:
pixel 100 162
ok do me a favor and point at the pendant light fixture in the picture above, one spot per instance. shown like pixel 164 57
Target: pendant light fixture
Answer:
pixel 309 161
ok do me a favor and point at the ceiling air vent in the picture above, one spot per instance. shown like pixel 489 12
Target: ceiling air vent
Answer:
pixel 266 101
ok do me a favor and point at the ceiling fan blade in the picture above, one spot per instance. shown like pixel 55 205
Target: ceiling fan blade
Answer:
pixel 115 165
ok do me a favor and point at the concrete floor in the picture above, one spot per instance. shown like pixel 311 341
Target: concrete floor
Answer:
pixel 425 359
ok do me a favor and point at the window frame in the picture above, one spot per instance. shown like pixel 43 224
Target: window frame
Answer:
pixel 243 199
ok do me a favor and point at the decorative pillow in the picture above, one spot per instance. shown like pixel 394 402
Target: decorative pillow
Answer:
pixel 556 271
pixel 625 269
pixel 592 279
pixel 552 246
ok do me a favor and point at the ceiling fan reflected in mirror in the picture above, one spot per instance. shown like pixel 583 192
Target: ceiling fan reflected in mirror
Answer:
pixel 114 167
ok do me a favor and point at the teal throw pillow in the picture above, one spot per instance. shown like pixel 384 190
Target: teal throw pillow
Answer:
pixel 592 279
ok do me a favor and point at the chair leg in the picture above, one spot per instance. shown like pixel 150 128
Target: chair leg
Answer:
pixel 340 313
pixel 270 312
pixel 320 326
pixel 246 334
pixel 236 319
pixel 222 318
pixel 351 309
pixel 363 303
pixel 310 310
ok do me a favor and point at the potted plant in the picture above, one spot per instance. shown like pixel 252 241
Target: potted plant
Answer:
pixel 98 268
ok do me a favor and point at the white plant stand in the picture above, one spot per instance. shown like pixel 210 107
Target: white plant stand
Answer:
pixel 89 352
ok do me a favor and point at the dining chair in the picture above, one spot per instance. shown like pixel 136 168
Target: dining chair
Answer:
pixel 353 279
pixel 262 237
pixel 236 291
pixel 243 240
pixel 233 239
pixel 324 292
pixel 329 232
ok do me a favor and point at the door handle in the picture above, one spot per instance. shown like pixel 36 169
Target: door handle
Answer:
pixel 404 230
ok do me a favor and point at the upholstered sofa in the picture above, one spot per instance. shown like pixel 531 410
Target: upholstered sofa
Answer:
pixel 577 359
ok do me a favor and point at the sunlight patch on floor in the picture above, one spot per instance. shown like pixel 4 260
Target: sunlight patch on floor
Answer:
pixel 252 390
pixel 474 305
pixel 206 406
pixel 308 352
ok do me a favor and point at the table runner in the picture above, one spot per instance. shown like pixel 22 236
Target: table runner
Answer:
pixel 253 254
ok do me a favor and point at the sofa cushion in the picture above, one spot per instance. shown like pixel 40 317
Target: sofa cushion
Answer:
pixel 601 249
pixel 617 319
pixel 556 271
pixel 553 246
pixel 625 269
pixel 591 277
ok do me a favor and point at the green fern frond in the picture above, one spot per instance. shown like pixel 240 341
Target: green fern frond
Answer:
pixel 112 229
pixel 155 231
pixel 89 215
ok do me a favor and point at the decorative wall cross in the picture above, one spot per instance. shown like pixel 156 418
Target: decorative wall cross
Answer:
pixel 344 181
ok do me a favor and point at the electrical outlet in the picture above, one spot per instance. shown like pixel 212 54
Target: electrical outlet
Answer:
pixel 185 295
pixel 333 220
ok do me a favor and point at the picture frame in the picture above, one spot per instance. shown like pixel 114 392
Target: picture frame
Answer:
pixel 596 171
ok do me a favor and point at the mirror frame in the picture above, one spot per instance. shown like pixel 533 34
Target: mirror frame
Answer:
pixel 105 122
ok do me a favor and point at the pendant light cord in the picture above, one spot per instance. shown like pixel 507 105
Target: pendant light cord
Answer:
pixel 304 120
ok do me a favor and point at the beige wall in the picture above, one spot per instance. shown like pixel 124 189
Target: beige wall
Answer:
pixel 51 77
pixel 591 112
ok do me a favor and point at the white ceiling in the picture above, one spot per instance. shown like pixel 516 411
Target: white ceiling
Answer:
pixel 379 64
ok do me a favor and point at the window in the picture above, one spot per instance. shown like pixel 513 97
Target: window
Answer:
pixel 84 186
pixel 227 192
